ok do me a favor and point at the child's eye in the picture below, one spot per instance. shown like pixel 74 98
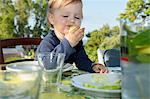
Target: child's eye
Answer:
pixel 77 17
pixel 65 16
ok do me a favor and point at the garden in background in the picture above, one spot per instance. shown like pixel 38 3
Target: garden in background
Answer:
pixel 15 17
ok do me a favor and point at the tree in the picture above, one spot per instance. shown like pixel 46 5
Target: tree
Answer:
pixel 104 38
pixel 135 9
pixel 31 9
pixel 14 18
pixel 7 13
pixel 107 38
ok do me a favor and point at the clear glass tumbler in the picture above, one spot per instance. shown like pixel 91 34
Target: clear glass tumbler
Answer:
pixel 52 73
pixel 20 81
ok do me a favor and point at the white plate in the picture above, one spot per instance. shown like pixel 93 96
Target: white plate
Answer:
pixel 21 66
pixel 79 81
pixel 18 66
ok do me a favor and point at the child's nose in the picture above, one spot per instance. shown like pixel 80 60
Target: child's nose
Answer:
pixel 71 21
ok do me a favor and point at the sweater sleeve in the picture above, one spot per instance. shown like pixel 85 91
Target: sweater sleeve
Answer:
pixel 64 47
pixel 51 45
pixel 82 61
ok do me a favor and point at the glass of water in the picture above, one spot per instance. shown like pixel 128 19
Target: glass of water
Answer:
pixel 20 81
pixel 135 58
pixel 51 76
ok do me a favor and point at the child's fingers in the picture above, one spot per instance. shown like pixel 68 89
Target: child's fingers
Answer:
pixel 97 70
pixel 100 69
pixel 104 71
pixel 79 32
pixel 76 30
pixel 74 35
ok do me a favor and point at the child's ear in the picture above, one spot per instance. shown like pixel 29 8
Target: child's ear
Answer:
pixel 51 18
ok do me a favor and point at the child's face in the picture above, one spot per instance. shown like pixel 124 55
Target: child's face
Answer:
pixel 65 17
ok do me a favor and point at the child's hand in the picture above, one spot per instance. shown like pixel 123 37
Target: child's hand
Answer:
pixel 99 68
pixel 74 35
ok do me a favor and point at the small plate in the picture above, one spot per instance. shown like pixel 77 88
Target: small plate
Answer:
pixel 18 66
pixel 98 80
pixel 23 66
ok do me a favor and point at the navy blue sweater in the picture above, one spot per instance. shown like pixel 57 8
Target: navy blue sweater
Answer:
pixel 72 54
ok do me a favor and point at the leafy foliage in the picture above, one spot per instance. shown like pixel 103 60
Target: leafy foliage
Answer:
pixel 15 18
pixel 7 13
pixel 31 9
pixel 134 9
pixel 23 18
pixel 104 38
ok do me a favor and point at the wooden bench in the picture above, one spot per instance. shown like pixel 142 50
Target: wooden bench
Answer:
pixel 4 43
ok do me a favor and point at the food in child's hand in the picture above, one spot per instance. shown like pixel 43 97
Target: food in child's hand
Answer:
pixel 71 29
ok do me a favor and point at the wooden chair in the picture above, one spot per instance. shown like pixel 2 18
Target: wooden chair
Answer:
pixel 4 43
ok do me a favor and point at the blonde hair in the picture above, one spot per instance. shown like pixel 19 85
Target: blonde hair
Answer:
pixel 55 4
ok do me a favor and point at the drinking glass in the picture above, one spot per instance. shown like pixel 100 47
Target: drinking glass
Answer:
pixel 135 58
pixel 52 63
pixel 20 81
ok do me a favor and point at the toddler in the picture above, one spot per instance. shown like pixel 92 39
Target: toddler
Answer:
pixel 66 35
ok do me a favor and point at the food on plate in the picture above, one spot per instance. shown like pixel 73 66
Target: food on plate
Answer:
pixel 113 86
pixel 103 82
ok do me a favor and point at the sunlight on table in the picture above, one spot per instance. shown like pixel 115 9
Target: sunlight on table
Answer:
pixel 59 96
